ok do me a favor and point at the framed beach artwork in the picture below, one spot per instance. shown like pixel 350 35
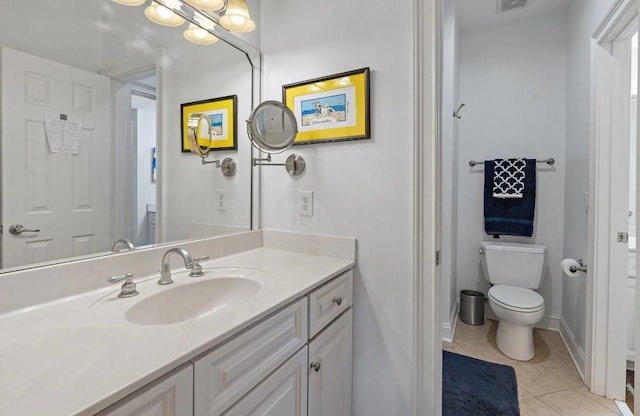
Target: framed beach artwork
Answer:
pixel 222 114
pixel 331 108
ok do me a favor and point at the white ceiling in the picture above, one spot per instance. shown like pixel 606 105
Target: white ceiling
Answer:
pixel 476 14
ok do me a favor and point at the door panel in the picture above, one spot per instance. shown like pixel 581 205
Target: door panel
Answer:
pixel 65 196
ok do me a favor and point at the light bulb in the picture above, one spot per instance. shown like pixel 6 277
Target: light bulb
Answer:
pixel 237 20
pixel 164 12
pixel 162 15
pixel 236 17
pixel 199 36
pixel 210 5
pixel 199 33
pixel 130 2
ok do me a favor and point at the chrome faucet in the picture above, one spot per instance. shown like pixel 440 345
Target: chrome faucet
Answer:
pixel 122 243
pixel 165 272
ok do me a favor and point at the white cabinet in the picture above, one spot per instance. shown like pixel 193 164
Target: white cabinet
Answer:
pixel 170 395
pixel 330 369
pixel 227 373
pixel 297 362
pixel 284 393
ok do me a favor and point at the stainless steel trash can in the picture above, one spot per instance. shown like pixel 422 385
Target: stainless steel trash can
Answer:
pixel 472 307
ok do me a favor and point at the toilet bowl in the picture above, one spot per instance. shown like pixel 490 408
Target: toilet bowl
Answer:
pixel 518 310
pixel 514 270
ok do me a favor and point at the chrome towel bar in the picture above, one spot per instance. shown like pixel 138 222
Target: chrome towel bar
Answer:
pixel 549 161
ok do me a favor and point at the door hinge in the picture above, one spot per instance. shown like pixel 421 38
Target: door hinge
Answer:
pixel 623 237
pixel 437 257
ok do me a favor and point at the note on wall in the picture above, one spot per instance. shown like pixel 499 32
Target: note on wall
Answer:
pixel 63 132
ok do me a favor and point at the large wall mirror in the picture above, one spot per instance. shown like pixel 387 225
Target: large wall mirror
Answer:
pixel 91 131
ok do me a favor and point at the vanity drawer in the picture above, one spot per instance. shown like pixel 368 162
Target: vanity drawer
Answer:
pixel 329 301
pixel 226 374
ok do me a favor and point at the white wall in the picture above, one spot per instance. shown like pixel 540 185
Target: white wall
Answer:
pixel 145 186
pixel 190 74
pixel 584 17
pixel 512 79
pixel 363 188
pixel 450 130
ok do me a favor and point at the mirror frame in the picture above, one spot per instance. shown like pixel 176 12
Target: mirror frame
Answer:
pixel 256 138
pixel 254 57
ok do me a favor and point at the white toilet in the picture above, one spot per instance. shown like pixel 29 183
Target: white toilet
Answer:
pixel 514 270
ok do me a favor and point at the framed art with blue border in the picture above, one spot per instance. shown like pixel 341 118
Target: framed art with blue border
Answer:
pixel 331 108
pixel 222 114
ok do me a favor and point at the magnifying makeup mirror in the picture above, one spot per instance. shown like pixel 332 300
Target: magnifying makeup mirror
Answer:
pixel 228 165
pixel 193 126
pixel 272 128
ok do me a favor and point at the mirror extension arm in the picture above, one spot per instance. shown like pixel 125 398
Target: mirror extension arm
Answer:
pixel 294 164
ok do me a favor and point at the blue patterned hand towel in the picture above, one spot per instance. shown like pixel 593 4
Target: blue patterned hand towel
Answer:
pixel 509 178
pixel 510 216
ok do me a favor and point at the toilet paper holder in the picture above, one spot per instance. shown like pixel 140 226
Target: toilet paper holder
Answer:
pixel 582 267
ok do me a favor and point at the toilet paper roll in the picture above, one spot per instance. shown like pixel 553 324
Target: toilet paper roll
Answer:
pixel 566 265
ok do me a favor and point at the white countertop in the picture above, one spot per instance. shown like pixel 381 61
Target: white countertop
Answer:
pixel 78 355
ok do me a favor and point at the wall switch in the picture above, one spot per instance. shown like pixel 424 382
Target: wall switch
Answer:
pixel 221 200
pixel 305 203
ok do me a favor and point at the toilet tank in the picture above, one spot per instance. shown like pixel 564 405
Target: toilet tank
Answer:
pixel 513 264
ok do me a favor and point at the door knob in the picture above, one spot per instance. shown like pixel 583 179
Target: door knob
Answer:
pixel 17 229
pixel 315 366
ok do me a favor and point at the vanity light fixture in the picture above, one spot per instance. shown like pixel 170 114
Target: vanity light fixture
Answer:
pixel 208 5
pixel 130 2
pixel 236 18
pixel 199 36
pixel 162 15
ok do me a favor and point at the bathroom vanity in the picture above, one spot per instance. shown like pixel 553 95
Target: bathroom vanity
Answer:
pixel 267 328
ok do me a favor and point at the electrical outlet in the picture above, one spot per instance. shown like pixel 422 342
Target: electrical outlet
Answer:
pixel 305 203
pixel 221 200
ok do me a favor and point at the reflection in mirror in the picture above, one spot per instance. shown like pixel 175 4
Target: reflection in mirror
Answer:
pixel 91 132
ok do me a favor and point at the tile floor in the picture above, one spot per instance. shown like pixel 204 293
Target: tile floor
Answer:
pixel 548 385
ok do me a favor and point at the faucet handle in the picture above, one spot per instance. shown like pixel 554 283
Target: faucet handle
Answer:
pixel 128 288
pixel 196 267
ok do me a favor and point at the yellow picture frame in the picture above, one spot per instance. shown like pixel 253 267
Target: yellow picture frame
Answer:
pixel 331 108
pixel 222 113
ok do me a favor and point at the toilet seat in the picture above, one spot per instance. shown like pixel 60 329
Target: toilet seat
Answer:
pixel 517 299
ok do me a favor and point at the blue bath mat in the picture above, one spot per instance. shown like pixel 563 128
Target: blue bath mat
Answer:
pixel 477 388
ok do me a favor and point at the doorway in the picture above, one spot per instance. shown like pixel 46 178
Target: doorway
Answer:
pixel 144 147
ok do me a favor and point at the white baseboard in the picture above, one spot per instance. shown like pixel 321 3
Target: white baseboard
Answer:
pixel 448 329
pixel 576 353
pixel 551 322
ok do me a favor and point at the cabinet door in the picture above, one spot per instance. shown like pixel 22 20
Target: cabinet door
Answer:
pixel 330 369
pixel 229 372
pixel 171 395
pixel 284 393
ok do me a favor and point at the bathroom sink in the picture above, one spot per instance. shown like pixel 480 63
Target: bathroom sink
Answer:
pixel 195 299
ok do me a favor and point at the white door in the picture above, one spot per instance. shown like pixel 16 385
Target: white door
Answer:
pixel 330 369
pixel 66 197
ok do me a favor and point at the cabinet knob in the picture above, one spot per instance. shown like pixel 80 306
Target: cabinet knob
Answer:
pixel 337 301
pixel 315 366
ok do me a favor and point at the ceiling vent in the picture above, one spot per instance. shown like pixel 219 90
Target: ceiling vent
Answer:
pixel 508 5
